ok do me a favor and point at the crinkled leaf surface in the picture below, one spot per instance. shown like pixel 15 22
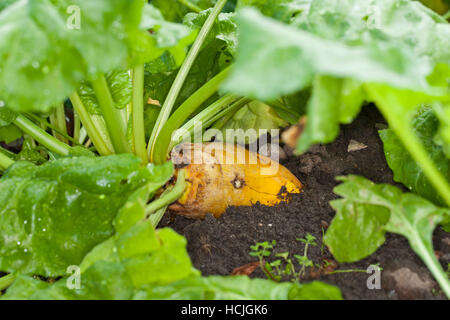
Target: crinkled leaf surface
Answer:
pixel 216 288
pixel 140 263
pixel 368 210
pixel 237 288
pixel 224 28
pixel 52 215
pixel 215 55
pixel 116 267
pixel 406 170
pixel 103 281
pixel 120 86
pixel 287 59
pixel 23 287
pixel 255 115
pixel 149 257
pixel 44 55
pixel 338 47
pixel 160 36
pixel 403 23
pixel 30 153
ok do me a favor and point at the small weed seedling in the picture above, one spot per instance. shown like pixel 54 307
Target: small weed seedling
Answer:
pixel 283 266
pixel 303 260
pixel 262 250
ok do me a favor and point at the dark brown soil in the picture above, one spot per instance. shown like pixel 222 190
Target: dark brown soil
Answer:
pixel 217 247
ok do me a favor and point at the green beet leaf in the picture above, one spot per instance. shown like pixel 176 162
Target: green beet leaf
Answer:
pixel 103 281
pixel 52 215
pixel 357 229
pixel 337 47
pixel 118 266
pixel 299 55
pixel 215 55
pixel 406 170
pixel 140 263
pixel 237 288
pixel 224 29
pixel 355 22
pixel 29 152
pixel 149 256
pixel 120 86
pixel 159 36
pixel 23 287
pixel 367 211
pixel 46 51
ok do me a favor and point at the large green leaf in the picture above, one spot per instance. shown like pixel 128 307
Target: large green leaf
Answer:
pixel 103 281
pixel 368 210
pixel 215 55
pixel 340 47
pixel 406 170
pixel 44 53
pixel 162 36
pixel 224 28
pixel 52 215
pixel 275 59
pixel 237 288
pixel 402 23
pixel 114 268
pixel 23 287
pixel 141 263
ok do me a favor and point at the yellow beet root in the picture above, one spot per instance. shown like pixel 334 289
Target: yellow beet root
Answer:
pixel 222 175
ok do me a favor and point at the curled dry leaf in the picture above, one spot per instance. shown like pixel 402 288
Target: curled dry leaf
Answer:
pixel 245 270
pixel 291 135
pixel 153 102
pixel 354 145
